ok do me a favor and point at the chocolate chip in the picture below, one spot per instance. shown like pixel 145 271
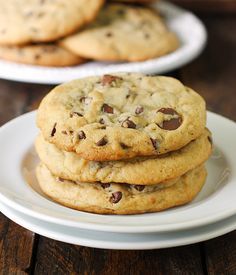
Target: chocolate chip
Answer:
pixel 64 132
pixel 107 109
pixel 139 110
pixel 81 135
pixel 60 179
pixel 103 128
pixel 109 34
pixel 53 130
pixel 105 185
pixel 86 100
pixel 107 79
pixel 173 123
pixel 71 132
pixel 128 124
pixel 37 56
pixel 167 111
pixel 154 143
pixel 124 146
pixel 116 197
pixel 102 121
pixel 75 113
pixel 139 187
pixel 103 141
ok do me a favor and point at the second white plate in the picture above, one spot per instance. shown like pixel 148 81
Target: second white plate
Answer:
pixel 109 240
pixel 187 26
pixel 215 202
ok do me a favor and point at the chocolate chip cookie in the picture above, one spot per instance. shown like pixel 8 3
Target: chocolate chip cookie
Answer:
pixel 121 116
pixel 123 33
pixel 121 198
pixel 138 171
pixel 25 21
pixel 40 54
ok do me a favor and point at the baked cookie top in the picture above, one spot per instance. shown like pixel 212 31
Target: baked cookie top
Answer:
pixel 24 21
pixel 139 171
pixel 123 33
pixel 40 54
pixel 121 198
pixel 121 116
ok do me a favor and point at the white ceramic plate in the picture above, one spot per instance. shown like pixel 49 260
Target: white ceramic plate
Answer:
pixel 188 27
pixel 215 202
pixel 117 240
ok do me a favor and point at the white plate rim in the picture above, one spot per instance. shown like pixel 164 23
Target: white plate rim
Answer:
pixel 217 229
pixel 189 50
pixel 110 227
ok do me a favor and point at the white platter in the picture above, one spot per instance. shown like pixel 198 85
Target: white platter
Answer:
pixel 187 26
pixel 215 202
pixel 109 240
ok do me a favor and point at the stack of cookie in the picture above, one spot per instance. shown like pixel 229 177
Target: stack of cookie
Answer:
pixel 122 144
pixel 65 33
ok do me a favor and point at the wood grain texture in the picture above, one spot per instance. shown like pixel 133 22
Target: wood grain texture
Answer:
pixel 221 255
pixel 16 246
pixel 213 75
pixel 209 6
pixel 61 258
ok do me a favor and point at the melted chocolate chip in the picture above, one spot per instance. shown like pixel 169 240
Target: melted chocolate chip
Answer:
pixel 173 123
pixel 123 145
pixel 105 185
pixel 71 132
pixel 81 135
pixel 75 113
pixel 116 197
pixel 128 124
pixel 139 187
pixel 154 143
pixel 107 79
pixel 103 141
pixel 53 130
pixel 107 109
pixel 138 110
pixel 102 121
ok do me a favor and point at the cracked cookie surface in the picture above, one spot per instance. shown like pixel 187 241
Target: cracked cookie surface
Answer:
pixel 123 33
pixel 25 21
pixel 121 116
pixel 138 171
pixel 121 198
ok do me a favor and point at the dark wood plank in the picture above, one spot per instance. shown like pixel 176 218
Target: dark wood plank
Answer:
pixel 221 255
pixel 209 6
pixel 61 258
pixel 213 75
pixel 16 243
pixel 16 247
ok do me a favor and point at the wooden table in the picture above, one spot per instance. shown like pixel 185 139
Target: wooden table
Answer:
pixel 23 252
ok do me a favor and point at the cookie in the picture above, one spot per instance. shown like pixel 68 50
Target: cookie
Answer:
pixel 140 171
pixel 121 116
pixel 121 198
pixel 123 33
pixel 40 54
pixel 25 21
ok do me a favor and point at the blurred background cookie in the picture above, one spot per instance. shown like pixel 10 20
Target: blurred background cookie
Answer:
pixel 41 54
pixel 123 33
pixel 25 21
